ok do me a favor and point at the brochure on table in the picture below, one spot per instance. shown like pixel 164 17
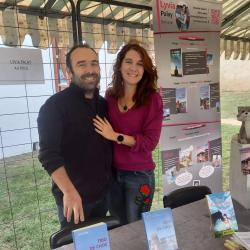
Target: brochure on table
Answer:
pixel 222 213
pixel 160 231
pixel 187 55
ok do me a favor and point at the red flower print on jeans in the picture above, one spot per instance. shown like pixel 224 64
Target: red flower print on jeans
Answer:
pixel 145 190
pixel 147 201
pixel 143 200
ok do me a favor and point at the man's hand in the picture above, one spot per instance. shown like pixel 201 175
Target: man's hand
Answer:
pixel 72 203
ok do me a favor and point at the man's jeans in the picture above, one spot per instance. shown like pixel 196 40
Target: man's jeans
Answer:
pixel 92 210
pixel 131 194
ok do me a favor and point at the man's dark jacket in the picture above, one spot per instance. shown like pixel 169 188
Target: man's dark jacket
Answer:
pixel 68 138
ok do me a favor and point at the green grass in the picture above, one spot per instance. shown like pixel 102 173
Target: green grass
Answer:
pixel 27 209
pixel 231 100
pixel 227 132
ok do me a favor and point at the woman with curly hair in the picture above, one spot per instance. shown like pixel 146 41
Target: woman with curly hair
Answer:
pixel 135 117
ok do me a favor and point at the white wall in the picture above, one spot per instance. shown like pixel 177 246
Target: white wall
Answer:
pixel 234 74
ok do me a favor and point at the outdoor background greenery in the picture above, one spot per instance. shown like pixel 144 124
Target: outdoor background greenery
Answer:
pixel 27 210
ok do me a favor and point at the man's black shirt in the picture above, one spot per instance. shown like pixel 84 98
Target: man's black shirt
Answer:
pixel 67 138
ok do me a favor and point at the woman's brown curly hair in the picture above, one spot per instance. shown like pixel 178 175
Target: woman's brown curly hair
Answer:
pixel 148 83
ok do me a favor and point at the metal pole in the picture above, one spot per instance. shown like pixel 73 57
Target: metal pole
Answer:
pixel 74 20
pixel 78 16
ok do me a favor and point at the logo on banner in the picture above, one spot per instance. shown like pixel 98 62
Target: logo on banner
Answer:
pixel 166 11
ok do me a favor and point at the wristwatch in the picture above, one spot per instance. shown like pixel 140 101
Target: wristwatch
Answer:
pixel 120 139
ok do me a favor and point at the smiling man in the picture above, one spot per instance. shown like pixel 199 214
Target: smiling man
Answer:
pixel 77 158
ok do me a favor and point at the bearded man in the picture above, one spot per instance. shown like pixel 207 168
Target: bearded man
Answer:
pixel 76 157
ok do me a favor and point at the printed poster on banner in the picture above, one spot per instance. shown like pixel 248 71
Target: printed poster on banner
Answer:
pixel 189 78
pixel 245 160
pixel 187 55
pixel 21 65
pixel 184 16
pixel 191 156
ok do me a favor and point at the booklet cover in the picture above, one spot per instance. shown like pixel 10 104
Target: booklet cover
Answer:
pixel 176 62
pixel 160 229
pixel 91 237
pixel 222 213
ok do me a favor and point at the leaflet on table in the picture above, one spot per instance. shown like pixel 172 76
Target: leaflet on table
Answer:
pixel 160 231
pixel 191 156
pixel 178 16
pixel 222 213
pixel 92 237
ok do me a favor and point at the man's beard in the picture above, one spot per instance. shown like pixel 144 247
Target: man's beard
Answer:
pixel 88 86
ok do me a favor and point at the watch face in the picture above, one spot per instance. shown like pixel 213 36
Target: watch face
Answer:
pixel 120 138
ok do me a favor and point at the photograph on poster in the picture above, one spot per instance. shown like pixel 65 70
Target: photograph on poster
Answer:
pixel 166 114
pixel 217 106
pixel 186 159
pixel 196 182
pixel 181 100
pixel 204 97
pixel 176 62
pixel 202 153
pixel 171 175
pixel 214 90
pixel 182 15
pixel 169 102
pixel 170 159
pixel 216 161
pixel 215 152
pixel 210 60
pixel 245 160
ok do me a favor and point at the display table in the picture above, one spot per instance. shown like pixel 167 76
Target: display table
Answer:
pixel 239 183
pixel 192 223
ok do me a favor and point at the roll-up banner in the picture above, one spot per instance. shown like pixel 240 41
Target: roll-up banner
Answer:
pixel 187 55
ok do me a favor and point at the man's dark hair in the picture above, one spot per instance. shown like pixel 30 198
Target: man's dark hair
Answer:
pixel 68 56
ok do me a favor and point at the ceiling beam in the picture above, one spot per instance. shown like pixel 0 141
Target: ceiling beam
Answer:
pixel 104 21
pixel 48 5
pixel 229 20
pixel 235 38
pixel 36 11
pixel 124 4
